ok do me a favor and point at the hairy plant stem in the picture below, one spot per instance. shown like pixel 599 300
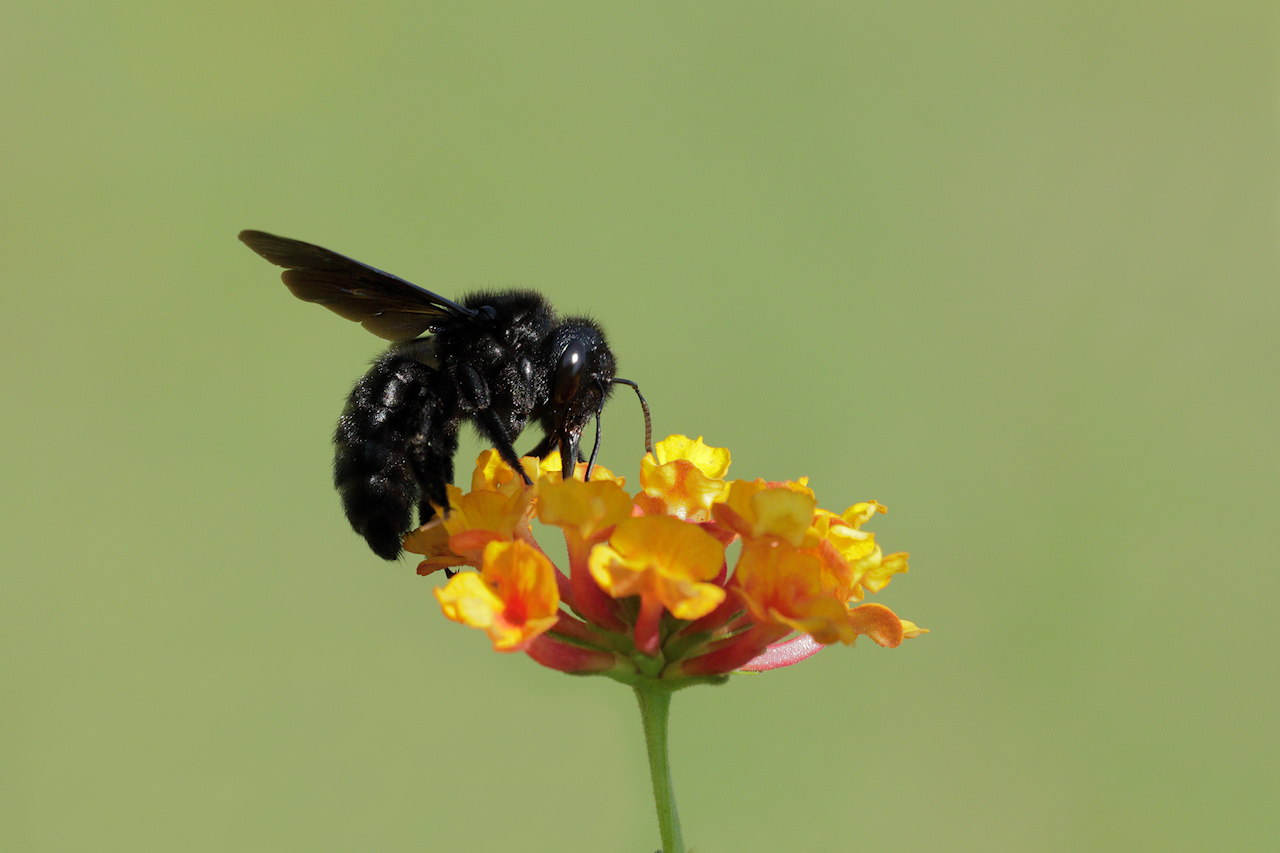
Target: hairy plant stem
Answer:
pixel 655 706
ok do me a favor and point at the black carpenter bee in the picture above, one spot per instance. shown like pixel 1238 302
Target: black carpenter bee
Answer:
pixel 497 359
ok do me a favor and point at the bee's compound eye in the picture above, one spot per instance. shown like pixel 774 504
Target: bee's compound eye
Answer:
pixel 573 364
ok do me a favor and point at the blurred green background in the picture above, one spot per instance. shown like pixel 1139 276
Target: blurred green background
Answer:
pixel 1011 269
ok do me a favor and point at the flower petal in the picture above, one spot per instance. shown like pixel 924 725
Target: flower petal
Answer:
pixel 662 558
pixel 711 461
pixel 682 478
pixel 877 622
pixel 585 508
pixel 513 599
pixel 755 508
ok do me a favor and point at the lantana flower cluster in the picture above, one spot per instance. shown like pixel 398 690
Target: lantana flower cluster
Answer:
pixel 648 593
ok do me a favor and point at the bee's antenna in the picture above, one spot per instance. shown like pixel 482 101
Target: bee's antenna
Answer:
pixel 591 463
pixel 648 424
pixel 648 427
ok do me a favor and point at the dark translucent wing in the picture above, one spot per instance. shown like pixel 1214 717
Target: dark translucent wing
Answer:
pixel 385 304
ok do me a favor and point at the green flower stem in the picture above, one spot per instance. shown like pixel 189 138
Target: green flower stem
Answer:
pixel 655 707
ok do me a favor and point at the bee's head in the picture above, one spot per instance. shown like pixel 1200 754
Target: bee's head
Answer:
pixel 582 371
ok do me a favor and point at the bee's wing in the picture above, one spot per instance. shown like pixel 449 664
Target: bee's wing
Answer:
pixel 385 304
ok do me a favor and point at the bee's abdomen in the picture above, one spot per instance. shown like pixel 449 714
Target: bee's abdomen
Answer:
pixel 389 443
